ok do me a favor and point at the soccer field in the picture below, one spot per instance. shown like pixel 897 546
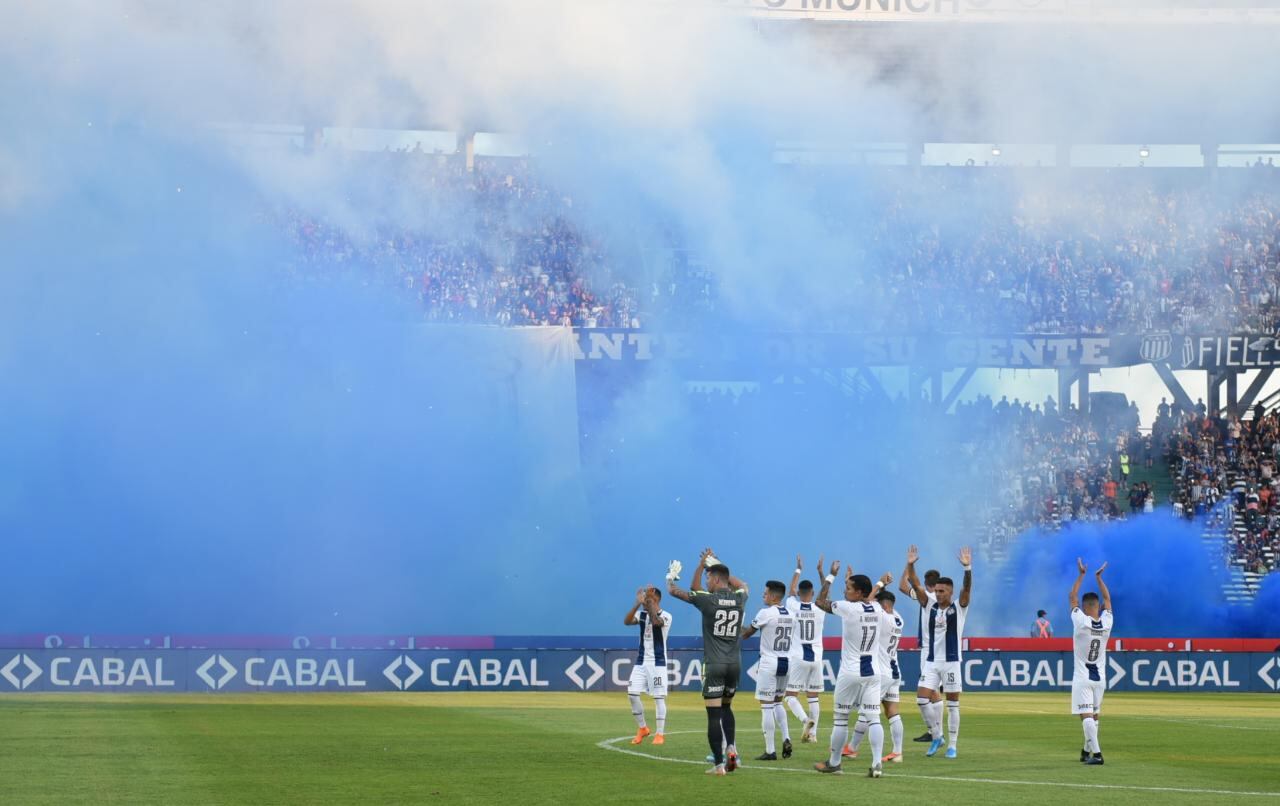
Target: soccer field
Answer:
pixel 574 748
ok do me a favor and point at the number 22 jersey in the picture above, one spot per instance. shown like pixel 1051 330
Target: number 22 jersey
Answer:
pixel 721 624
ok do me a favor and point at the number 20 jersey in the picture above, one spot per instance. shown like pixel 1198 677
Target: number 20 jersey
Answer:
pixel 1090 639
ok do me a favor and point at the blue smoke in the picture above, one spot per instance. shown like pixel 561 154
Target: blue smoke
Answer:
pixel 194 441
pixel 1163 581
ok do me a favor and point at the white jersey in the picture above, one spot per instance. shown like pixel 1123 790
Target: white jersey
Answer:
pixel 888 650
pixel 862 625
pixel 810 620
pixel 943 632
pixel 1090 639
pixel 653 638
pixel 777 628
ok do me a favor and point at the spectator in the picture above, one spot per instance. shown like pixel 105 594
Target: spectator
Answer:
pixel 1041 628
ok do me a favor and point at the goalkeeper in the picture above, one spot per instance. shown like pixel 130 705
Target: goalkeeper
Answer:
pixel 721 605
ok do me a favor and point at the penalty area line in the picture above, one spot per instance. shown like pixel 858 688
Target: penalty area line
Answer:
pixel 612 744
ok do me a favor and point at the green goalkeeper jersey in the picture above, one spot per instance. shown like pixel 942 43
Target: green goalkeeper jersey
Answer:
pixel 722 617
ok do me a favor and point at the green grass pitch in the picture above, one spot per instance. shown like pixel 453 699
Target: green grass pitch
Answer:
pixel 573 748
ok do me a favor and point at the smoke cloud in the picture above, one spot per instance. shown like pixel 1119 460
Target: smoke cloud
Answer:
pixel 194 441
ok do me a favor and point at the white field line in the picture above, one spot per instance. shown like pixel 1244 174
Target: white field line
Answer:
pixel 1175 720
pixel 611 744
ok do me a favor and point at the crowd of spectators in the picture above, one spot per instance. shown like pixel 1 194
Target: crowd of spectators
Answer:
pixel 954 250
pixel 975 251
pixel 1054 467
pixel 490 245
pixel 1232 461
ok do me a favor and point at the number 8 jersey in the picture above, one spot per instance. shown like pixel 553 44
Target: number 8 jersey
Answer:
pixel 1090 639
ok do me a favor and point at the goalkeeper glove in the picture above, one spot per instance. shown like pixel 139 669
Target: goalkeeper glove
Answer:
pixel 673 570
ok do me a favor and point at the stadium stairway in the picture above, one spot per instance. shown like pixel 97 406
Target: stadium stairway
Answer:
pixel 1157 476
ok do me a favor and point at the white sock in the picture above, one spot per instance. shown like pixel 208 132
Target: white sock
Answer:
pixel 935 714
pixel 876 733
pixel 839 733
pixel 1091 735
pixel 926 712
pixel 766 719
pixel 953 722
pixel 793 705
pixel 637 709
pixel 780 717
pixel 814 711
pixel 660 712
pixel 859 732
pixel 895 732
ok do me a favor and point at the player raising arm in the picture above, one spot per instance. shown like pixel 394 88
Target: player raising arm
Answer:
pixel 721 607
pixel 649 675
pixel 776 625
pixel 941 659
pixel 1090 630
pixel 858 684
pixel 806 652
pixel 930 708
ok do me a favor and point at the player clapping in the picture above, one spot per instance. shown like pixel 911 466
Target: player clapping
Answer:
pixel 891 681
pixel 858 683
pixel 940 657
pixel 649 675
pixel 1091 627
pixel 776 626
pixel 806 652
pixel 721 605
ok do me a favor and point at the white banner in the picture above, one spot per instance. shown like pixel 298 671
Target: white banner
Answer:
pixel 1005 11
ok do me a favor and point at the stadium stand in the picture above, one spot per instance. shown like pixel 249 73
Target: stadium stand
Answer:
pixel 1233 461
pixel 951 250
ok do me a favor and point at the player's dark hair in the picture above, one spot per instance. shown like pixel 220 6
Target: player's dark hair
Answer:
pixel 656 592
pixel 1039 614
pixel 774 586
pixel 932 576
pixel 1089 598
pixel 805 586
pixel 861 583
pixel 945 581
pixel 886 596
pixel 719 569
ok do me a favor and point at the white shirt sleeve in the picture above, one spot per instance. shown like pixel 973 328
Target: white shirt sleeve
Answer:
pixel 793 603
pixel 1107 619
pixel 666 620
pixel 1078 618
pixel 766 615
